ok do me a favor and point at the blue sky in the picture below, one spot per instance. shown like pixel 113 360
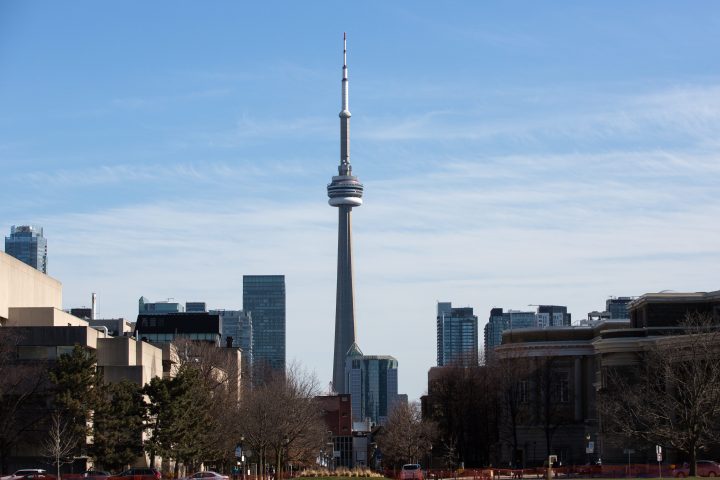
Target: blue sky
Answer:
pixel 513 153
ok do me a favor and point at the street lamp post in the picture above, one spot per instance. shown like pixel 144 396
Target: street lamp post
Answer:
pixel 287 451
pixel 587 447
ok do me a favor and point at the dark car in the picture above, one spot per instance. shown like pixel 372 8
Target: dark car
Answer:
pixel 138 474
pixel 705 468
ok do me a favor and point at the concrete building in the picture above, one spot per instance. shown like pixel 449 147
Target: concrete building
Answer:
pixel 264 300
pixel 345 192
pixel 457 335
pixel 572 365
pixel 372 382
pixel 27 244
pixel 30 310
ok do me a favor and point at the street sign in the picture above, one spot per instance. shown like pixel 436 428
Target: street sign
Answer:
pixel 238 451
pixel 590 447
pixel 336 453
pixel 628 451
pixel 658 452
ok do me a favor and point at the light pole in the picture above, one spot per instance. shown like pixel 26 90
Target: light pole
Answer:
pixel 287 451
pixel 587 446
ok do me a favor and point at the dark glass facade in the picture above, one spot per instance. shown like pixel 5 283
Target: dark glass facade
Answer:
pixel 27 244
pixel 457 336
pixel 264 300
pixel 618 307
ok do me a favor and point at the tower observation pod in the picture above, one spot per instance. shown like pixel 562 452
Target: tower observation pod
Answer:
pixel 344 192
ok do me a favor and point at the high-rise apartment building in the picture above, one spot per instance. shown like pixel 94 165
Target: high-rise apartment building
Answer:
pixel 264 300
pixel 457 336
pixel 345 192
pixel 553 316
pixel 546 316
pixel 618 307
pixel 500 321
pixel 195 307
pixel 27 244
pixel 372 382
pixel 238 325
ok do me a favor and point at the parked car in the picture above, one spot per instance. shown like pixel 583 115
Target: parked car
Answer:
pixel 86 475
pixel 411 471
pixel 138 474
pixel 705 468
pixel 38 476
pixel 207 475
pixel 21 473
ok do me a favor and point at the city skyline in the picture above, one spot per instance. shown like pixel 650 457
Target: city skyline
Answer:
pixel 513 154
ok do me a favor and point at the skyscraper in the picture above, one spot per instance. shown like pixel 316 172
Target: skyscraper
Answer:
pixel 27 244
pixel 500 321
pixel 618 307
pixel 372 384
pixel 264 300
pixel 457 336
pixel 553 316
pixel 238 325
pixel 345 192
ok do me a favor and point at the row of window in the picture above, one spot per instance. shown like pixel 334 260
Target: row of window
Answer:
pixel 169 337
pixel 560 389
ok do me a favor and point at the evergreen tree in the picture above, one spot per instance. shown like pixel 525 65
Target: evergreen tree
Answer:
pixel 118 425
pixel 179 418
pixel 77 389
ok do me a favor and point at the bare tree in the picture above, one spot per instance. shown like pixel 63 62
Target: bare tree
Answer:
pixel 60 442
pixel 281 421
pixel 406 438
pixel 465 415
pixel 672 395
pixel 511 378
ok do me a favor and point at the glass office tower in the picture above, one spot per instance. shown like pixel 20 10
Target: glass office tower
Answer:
pixel 264 301
pixel 27 244
pixel 457 336
pixel 372 382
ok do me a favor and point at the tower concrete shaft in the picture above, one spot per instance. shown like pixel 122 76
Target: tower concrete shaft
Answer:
pixel 344 298
pixel 345 192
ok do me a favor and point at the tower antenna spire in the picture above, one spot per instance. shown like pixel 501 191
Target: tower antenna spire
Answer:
pixel 345 168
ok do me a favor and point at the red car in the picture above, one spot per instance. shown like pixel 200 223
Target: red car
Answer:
pixel 411 471
pixel 705 468
pixel 138 474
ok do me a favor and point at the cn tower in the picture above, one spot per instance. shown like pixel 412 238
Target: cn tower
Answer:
pixel 345 192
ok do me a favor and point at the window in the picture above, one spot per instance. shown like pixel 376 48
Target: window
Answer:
pixel 522 389
pixel 563 387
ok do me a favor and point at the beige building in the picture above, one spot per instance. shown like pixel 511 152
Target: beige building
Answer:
pixel 30 309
